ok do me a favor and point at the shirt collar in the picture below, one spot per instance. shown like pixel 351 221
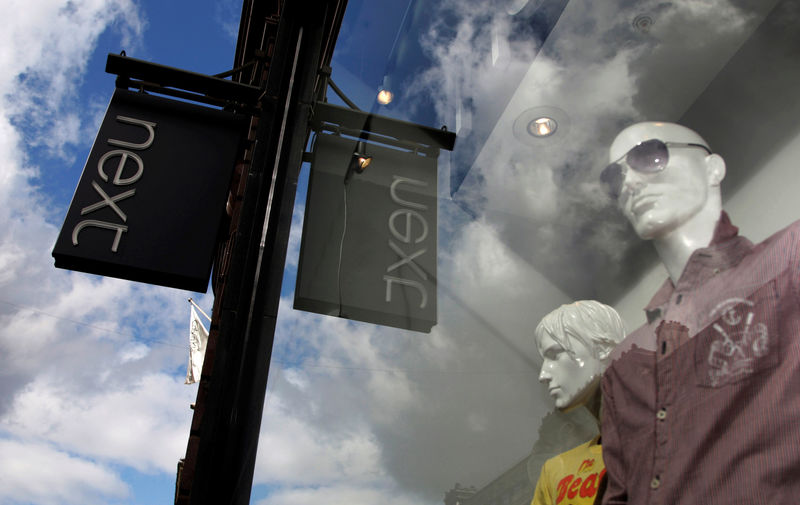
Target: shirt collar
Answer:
pixel 725 230
pixel 726 250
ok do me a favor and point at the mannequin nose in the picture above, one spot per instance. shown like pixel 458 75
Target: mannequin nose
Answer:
pixel 544 375
pixel 632 182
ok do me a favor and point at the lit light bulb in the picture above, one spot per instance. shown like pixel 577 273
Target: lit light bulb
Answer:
pixel 542 127
pixel 385 96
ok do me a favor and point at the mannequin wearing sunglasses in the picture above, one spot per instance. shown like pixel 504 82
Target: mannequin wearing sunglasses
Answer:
pixel 676 204
pixel 701 403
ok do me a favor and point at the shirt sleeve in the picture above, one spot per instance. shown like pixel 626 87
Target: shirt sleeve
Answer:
pixel 543 494
pixel 616 492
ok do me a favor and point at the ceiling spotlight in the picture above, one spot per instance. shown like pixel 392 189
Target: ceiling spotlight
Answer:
pixel 542 127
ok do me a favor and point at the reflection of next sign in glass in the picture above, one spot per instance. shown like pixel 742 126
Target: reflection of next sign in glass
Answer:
pixel 409 234
pixel 152 194
pixel 369 244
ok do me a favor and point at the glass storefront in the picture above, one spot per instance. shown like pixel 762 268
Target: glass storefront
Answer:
pixel 529 217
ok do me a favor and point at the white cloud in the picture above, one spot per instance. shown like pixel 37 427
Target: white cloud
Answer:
pixel 44 52
pixel 37 473
pixel 142 422
pixel 133 351
pixel 297 452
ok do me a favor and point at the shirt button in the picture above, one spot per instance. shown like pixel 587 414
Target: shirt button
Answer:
pixel 655 483
pixel 662 414
pixel 716 270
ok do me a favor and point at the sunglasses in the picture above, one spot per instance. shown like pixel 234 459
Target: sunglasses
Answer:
pixel 648 157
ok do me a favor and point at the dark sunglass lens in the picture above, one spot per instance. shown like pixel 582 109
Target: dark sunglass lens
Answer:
pixel 648 157
pixel 612 178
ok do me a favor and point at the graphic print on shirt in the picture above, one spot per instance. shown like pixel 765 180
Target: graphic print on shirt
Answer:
pixel 579 486
pixel 738 341
pixel 587 464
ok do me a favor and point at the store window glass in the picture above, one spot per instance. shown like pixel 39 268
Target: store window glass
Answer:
pixel 597 145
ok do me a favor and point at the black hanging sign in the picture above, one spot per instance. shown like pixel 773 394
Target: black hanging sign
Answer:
pixel 152 194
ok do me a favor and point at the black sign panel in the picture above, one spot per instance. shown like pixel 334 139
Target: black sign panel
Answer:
pixel 149 202
pixel 369 246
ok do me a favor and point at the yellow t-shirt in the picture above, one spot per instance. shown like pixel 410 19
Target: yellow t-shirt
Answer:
pixel 572 477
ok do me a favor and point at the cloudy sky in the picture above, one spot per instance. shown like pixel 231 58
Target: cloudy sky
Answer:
pixel 92 399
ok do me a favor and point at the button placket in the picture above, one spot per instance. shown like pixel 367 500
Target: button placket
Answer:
pixel 665 369
pixel 663 397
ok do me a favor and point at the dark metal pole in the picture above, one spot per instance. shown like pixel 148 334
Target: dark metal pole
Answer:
pixel 230 426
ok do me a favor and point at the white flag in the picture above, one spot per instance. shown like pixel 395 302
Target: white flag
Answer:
pixel 198 337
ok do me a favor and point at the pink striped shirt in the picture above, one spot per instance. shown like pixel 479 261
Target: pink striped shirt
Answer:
pixel 702 404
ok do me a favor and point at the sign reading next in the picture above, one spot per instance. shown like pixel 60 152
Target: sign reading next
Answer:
pixel 369 245
pixel 152 194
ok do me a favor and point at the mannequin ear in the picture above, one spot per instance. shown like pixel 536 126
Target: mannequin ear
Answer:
pixel 715 168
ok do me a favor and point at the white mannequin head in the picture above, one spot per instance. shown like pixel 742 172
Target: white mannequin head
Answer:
pixel 575 342
pixel 684 192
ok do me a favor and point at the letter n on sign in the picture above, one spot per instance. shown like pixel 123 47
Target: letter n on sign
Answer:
pixel 368 250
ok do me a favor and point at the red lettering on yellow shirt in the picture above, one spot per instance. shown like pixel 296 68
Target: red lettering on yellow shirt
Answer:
pixel 562 487
pixel 570 487
pixel 589 487
pixel 587 464
pixel 573 488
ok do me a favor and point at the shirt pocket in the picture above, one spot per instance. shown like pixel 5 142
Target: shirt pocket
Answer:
pixel 741 340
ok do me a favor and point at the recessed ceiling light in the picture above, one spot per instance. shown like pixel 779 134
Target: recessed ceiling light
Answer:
pixel 542 127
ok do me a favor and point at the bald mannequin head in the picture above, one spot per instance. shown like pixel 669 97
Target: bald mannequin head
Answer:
pixel 684 192
pixel 638 132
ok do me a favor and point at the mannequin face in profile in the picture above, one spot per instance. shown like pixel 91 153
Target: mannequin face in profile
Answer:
pixel 571 377
pixel 575 342
pixel 664 173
